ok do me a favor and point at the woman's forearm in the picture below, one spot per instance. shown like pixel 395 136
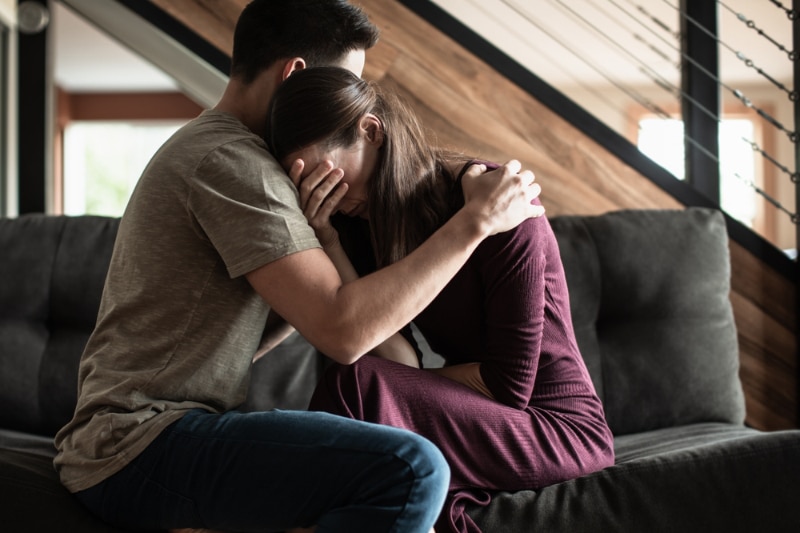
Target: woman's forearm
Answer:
pixel 395 348
pixel 340 260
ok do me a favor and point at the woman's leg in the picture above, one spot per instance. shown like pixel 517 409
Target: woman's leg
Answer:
pixel 277 470
pixel 487 444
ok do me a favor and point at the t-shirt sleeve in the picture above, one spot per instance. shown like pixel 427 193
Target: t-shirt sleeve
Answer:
pixel 248 207
pixel 513 271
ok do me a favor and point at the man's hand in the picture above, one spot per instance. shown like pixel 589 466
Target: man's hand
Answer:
pixel 501 199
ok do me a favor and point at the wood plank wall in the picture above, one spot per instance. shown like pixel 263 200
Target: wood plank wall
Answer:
pixel 472 108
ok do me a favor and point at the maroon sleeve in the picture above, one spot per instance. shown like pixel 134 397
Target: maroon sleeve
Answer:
pixel 512 266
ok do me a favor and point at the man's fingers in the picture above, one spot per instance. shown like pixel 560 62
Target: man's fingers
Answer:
pixel 528 177
pixel 535 190
pixel 474 171
pixel 513 166
pixel 504 197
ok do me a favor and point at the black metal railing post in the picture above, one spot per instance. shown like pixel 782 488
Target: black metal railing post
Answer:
pixel 34 87
pixel 795 14
pixel 700 103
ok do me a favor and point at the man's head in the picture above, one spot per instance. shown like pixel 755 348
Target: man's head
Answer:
pixel 321 32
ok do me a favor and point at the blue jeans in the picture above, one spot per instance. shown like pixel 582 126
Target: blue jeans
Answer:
pixel 270 471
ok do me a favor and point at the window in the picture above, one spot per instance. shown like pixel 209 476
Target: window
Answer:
pixel 104 159
pixel 662 140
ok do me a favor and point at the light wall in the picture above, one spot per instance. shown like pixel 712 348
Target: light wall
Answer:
pixel 8 11
pixel 8 189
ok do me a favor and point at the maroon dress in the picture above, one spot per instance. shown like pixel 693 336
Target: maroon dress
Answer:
pixel 508 309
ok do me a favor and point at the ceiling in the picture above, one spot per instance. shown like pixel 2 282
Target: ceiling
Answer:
pixel 88 60
pixel 539 34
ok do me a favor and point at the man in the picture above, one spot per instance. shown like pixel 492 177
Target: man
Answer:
pixel 212 241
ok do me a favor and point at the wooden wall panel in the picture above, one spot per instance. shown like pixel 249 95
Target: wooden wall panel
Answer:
pixel 472 108
pixel 213 20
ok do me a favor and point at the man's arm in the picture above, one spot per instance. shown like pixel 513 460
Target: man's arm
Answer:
pixel 346 320
pixel 319 198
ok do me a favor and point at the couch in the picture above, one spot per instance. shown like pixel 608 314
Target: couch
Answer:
pixel 649 292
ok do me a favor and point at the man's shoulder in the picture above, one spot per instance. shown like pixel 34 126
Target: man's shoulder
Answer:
pixel 216 128
pixel 217 140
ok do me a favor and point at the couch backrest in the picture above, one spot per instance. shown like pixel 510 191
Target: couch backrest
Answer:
pixel 52 271
pixel 648 289
pixel 649 292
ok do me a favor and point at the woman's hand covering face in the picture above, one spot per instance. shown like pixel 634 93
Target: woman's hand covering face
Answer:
pixel 321 192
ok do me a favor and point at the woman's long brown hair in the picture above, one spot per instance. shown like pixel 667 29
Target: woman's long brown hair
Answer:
pixel 412 192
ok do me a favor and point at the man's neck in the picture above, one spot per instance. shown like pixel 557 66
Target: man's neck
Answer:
pixel 249 102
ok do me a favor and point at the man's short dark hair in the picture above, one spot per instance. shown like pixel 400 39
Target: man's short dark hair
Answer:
pixel 319 31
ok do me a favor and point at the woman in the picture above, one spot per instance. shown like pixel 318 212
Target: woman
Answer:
pixel 514 407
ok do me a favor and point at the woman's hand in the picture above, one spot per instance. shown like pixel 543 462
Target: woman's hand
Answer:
pixel 468 374
pixel 320 194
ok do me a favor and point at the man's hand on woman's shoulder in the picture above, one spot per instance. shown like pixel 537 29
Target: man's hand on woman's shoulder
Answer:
pixel 501 199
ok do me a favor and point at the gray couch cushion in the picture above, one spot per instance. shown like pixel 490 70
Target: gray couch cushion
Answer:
pixel 58 267
pixel 286 377
pixel 729 479
pixel 34 501
pixel 673 479
pixel 650 302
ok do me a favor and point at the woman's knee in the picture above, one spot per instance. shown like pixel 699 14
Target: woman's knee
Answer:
pixel 427 464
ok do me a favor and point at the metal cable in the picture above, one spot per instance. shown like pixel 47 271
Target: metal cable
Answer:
pixel 676 91
pixel 629 92
pixel 579 82
pixel 793 94
pixel 752 25
pixel 659 52
pixel 793 135
pixel 791 13
pixel 658 22
pixel 644 68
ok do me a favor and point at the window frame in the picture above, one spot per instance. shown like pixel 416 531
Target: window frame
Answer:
pixel 765 219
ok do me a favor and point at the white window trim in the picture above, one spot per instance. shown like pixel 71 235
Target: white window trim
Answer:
pixel 10 187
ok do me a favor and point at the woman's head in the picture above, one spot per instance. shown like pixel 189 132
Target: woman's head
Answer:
pixel 393 174
pixel 324 114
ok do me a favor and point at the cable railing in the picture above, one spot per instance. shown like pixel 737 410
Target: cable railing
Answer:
pixel 713 81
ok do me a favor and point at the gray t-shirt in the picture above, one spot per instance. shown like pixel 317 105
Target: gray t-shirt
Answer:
pixel 178 322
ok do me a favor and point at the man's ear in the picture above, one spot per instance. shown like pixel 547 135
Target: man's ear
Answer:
pixel 292 65
pixel 372 129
